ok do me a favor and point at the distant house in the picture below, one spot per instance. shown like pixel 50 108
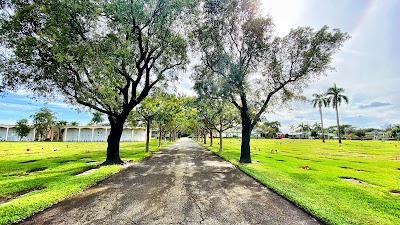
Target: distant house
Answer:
pixel 75 133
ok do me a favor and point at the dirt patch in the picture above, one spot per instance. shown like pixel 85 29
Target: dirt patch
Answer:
pixel 345 167
pixel 36 169
pixel 3 200
pixel 29 161
pixel 356 181
pixel 67 161
pixel 18 174
pixel 86 171
pixel 396 192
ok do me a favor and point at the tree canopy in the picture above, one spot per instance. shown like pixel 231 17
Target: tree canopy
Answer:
pixel 104 55
pixel 242 61
pixel 22 128
pixel 42 121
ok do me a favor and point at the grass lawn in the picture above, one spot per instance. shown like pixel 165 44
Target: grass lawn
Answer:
pixel 357 182
pixel 33 180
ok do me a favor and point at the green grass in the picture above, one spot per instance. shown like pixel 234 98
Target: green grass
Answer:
pixel 322 190
pixel 33 180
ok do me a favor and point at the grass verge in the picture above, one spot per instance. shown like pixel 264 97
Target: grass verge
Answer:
pixel 357 182
pixel 33 176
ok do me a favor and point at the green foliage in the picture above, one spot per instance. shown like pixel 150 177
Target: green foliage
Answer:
pixel 97 117
pixel 319 100
pixel 335 96
pixel 42 121
pixel 74 123
pixel 360 133
pixel 58 181
pixel 322 189
pixel 270 128
pixel 22 128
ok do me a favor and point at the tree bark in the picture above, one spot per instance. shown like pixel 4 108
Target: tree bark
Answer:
pixel 159 137
pixel 220 140
pixel 322 125
pixel 205 137
pixel 117 126
pixel 338 126
pixel 147 135
pixel 246 132
pixel 211 138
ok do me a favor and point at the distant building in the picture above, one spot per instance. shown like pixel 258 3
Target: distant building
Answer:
pixel 75 133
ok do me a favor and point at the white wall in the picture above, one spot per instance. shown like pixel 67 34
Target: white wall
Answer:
pixel 139 135
pixel 99 134
pixel 86 135
pixel 126 135
pixel 72 134
pixel 3 132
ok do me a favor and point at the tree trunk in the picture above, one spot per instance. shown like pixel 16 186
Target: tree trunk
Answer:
pixel 170 135
pixel 205 137
pixel 338 126
pixel 159 137
pixel 322 125
pixel 246 132
pixel 147 135
pixel 220 140
pixel 117 126
pixel 211 138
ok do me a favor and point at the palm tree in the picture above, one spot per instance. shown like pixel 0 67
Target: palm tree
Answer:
pixel 320 100
pixel 74 123
pixel 335 97
pixel 97 117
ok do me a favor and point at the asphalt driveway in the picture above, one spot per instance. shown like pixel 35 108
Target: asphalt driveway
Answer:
pixel 182 184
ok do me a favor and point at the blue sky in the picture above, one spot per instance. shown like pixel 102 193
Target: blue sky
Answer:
pixel 367 67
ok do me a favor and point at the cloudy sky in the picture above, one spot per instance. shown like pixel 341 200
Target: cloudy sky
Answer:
pixel 367 67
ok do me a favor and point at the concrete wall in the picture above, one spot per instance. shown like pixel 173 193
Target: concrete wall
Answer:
pixel 97 134
pixel 78 133
pixel 71 134
pixel 12 134
pixel 3 132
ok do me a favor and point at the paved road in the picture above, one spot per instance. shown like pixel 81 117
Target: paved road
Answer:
pixel 183 184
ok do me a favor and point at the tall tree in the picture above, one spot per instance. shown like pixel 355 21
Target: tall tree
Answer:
pixel 104 55
pixel 97 117
pixel 242 62
pixel 22 128
pixel 320 100
pixel 146 111
pixel 335 98
pixel 42 121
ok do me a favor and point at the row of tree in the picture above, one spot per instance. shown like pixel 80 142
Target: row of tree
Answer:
pixel 109 55
pixel 347 130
